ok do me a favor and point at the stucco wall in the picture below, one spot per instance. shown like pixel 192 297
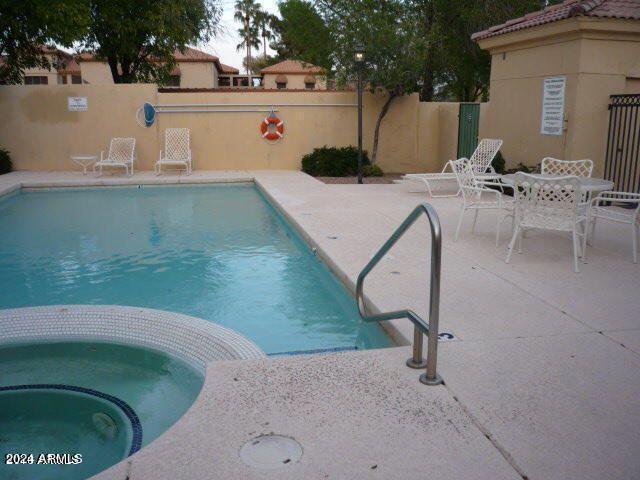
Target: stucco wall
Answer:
pixel 96 73
pixel 42 134
pixel 192 74
pixel 438 134
pixel 197 75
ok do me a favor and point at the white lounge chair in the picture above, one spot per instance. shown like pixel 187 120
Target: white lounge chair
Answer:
pixel 122 153
pixel 476 196
pixel 548 204
pixel 601 207
pixel 177 150
pixel 480 162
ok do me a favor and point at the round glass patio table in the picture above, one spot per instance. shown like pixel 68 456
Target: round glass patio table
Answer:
pixel 84 161
pixel 588 184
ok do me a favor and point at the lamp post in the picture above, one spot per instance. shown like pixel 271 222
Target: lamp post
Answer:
pixel 359 58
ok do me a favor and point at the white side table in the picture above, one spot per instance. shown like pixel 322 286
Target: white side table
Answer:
pixel 84 161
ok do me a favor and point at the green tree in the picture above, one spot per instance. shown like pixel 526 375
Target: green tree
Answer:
pixel 260 62
pixel 246 13
pixel 27 25
pixel 301 34
pixel 464 72
pixel 138 38
pixel 389 31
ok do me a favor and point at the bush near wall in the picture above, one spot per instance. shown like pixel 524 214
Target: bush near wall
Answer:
pixel 5 161
pixel 338 162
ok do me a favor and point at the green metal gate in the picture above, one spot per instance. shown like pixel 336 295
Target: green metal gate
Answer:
pixel 468 120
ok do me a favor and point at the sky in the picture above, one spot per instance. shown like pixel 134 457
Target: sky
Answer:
pixel 224 45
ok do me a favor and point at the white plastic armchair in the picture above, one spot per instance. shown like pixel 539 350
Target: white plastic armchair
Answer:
pixel 477 196
pixel 480 162
pixel 607 207
pixel 122 153
pixel 577 168
pixel 548 204
pixel 177 150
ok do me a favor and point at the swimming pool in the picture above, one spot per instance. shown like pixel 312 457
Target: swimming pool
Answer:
pixel 221 253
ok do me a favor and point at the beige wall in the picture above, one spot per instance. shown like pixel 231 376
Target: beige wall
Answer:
pixel 437 135
pixel 198 75
pixel 96 73
pixel 595 56
pixel 41 134
pixel 50 73
pixel 192 74
pixel 294 81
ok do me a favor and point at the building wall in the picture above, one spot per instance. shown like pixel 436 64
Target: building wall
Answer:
pixel 42 135
pixel 294 81
pixel 50 73
pixel 192 74
pixel 198 75
pixel 597 57
pixel 96 73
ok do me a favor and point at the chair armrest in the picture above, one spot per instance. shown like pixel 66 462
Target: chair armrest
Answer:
pixel 611 196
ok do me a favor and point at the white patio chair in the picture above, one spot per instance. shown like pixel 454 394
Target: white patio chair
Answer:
pixel 548 204
pixel 600 207
pixel 177 150
pixel 122 153
pixel 474 196
pixel 480 162
pixel 577 168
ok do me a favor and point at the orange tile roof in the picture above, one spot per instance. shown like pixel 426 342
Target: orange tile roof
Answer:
pixel 189 55
pixel 623 9
pixel 193 55
pixel 292 67
pixel 70 67
pixel 229 69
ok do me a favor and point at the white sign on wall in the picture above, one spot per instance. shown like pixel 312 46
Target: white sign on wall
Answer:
pixel 77 104
pixel 552 105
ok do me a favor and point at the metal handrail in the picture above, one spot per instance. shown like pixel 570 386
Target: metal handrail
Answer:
pixel 430 328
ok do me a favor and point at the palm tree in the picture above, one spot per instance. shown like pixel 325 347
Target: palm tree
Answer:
pixel 246 13
pixel 264 21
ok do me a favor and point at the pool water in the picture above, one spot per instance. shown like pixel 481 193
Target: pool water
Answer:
pixel 221 253
pixel 38 423
pixel 157 387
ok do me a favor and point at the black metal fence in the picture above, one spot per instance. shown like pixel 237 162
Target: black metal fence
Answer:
pixel 622 164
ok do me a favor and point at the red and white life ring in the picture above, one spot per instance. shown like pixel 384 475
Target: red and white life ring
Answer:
pixel 276 134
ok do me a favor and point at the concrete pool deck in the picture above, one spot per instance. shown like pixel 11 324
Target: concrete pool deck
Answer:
pixel 542 381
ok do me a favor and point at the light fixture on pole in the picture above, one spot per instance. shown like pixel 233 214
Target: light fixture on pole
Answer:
pixel 359 58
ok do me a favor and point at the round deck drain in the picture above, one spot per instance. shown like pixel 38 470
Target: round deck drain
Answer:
pixel 271 451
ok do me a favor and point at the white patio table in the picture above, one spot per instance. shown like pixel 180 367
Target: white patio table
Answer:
pixel 588 184
pixel 84 161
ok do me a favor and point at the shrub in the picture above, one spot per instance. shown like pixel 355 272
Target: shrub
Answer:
pixel 522 168
pixel 333 162
pixel 498 163
pixel 5 161
pixel 372 171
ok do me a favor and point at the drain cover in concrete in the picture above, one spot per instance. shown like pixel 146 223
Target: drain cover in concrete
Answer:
pixel 271 451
